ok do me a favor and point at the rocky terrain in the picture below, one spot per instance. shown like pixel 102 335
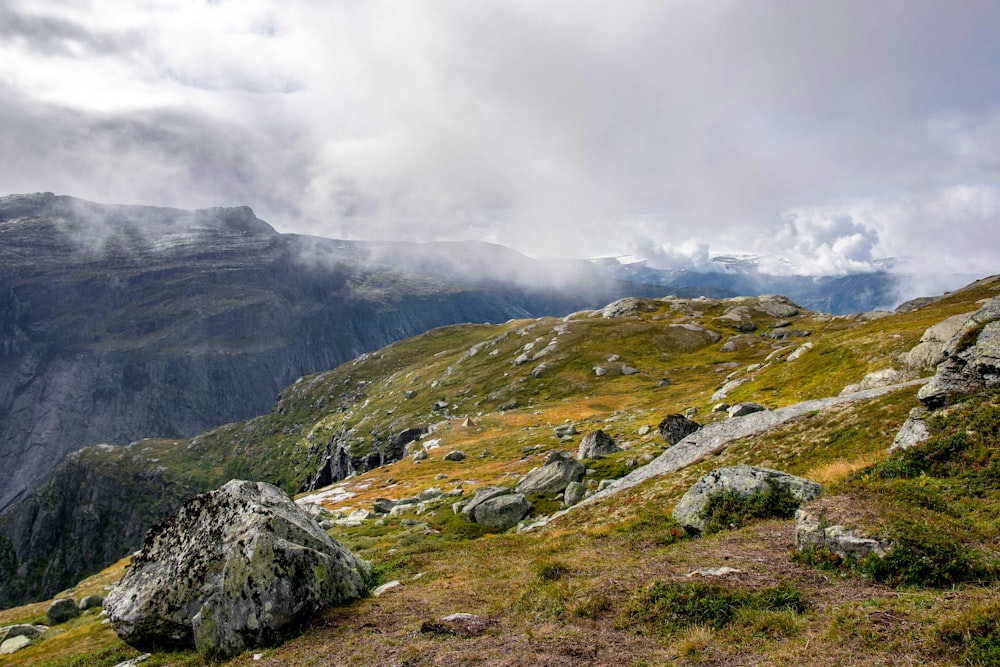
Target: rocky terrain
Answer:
pixel 520 490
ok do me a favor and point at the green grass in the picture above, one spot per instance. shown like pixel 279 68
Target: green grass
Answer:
pixel 731 509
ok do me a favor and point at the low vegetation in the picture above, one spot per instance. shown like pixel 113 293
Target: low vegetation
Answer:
pixel 617 581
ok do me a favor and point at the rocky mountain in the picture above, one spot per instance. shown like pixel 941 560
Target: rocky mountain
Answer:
pixel 123 322
pixel 421 437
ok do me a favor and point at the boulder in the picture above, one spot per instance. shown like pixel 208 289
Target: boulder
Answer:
pixel 235 568
pixel 559 470
pixel 744 408
pixel 574 493
pixel 912 432
pixel 674 428
pixel 455 455
pixel 62 610
pixel 90 601
pixel 596 444
pixel 14 644
pixel 930 351
pixel 496 507
pixel 972 359
pixel 880 378
pixel 742 479
pixel 20 630
pixel 561 431
pixel 813 529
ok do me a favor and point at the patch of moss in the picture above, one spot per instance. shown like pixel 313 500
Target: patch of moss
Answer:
pixel 730 509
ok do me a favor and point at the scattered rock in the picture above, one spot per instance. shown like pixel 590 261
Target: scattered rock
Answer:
pixel 728 387
pixel 62 610
pixel 744 408
pixel 420 455
pixel 776 306
pixel 410 393
pixel 90 601
pixel 14 644
pixel 136 661
pixel 913 431
pixel 881 378
pixel 628 370
pixel 439 405
pixel 455 455
pixel 713 572
pixel 674 428
pixel 595 445
pixel 430 493
pixel 383 505
pixel 559 470
pixel 537 371
pixel 930 351
pixel 461 624
pixel 574 493
pixel 563 430
pixel 379 590
pixel 799 351
pixel 742 479
pixel 813 529
pixel 496 507
pixel 720 407
pixel 20 630
pixel 643 430
pixel 233 569
pixel 600 371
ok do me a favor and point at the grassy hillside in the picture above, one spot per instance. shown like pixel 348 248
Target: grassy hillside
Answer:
pixel 617 582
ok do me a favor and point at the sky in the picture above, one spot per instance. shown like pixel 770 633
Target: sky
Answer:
pixel 832 134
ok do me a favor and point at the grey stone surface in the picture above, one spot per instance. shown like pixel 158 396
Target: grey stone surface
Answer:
pixel 596 444
pixel 62 610
pixel 742 479
pixel 930 351
pixel 912 432
pixel 232 569
pixel 496 507
pixel 455 455
pixel 676 427
pixel 972 359
pixel 744 408
pixel 813 529
pixel 90 601
pixel 14 644
pixel 559 470
pixel 574 493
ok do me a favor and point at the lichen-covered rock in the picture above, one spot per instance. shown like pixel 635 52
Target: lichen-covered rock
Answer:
pixel 930 351
pixel 62 610
pixel 744 408
pixel 574 493
pixel 14 644
pixel 913 431
pixel 742 479
pixel 596 444
pixel 972 359
pixel 813 529
pixel 674 428
pixel 559 470
pixel 90 601
pixel 229 571
pixel 20 630
pixel 496 507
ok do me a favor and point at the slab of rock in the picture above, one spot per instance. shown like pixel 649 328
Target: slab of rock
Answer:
pixel 595 445
pixel 14 644
pixel 880 378
pixel 455 455
pixel 496 507
pixel 230 571
pixel 91 601
pixel 742 479
pixel 813 529
pixel 559 470
pixel 930 351
pixel 972 359
pixel 574 493
pixel 744 408
pixel 20 630
pixel 62 610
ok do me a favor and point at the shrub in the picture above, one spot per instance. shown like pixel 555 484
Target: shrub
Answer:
pixel 731 509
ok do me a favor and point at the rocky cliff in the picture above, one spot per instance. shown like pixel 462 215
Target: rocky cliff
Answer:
pixel 121 322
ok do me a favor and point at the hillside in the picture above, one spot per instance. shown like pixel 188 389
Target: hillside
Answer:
pixel 597 584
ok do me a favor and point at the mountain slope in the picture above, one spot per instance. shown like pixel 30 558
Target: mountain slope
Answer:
pixel 121 322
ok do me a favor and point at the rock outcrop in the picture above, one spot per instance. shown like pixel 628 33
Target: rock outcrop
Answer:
pixel 813 528
pixel 231 570
pixel 972 359
pixel 559 470
pixel 741 479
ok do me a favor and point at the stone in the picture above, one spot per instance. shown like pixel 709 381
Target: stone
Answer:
pixel 430 493
pixel 600 371
pixel 799 351
pixel 235 568
pixel 410 393
pixel 912 432
pixel 90 601
pixel 880 378
pixel 720 407
pixel 20 630
pixel 420 455
pixel 574 493
pixel 496 507
pixel 383 505
pixel 744 408
pixel 725 389
pixel 972 359
pixel 595 445
pixel 439 405
pixel 553 477
pixel 136 661
pixel 742 479
pixel 563 430
pixel 455 455
pixel 930 351
pixel 813 529
pixel 62 610
pixel 14 644
pixel 644 430
pixel 628 370
pixel 388 586
pixel 674 428
pixel 776 306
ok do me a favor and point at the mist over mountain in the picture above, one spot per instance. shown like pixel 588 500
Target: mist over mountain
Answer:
pixel 123 322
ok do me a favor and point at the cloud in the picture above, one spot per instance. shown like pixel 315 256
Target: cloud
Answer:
pixel 559 128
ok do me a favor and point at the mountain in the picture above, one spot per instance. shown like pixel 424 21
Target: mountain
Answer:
pixel 732 274
pixel 124 322
pixel 615 580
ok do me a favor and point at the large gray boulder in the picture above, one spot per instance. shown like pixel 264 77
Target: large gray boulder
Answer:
pixel 232 569
pixel 930 351
pixel 61 610
pixel 676 427
pixel 559 470
pixel 972 359
pixel 596 444
pixel 496 507
pixel 742 479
